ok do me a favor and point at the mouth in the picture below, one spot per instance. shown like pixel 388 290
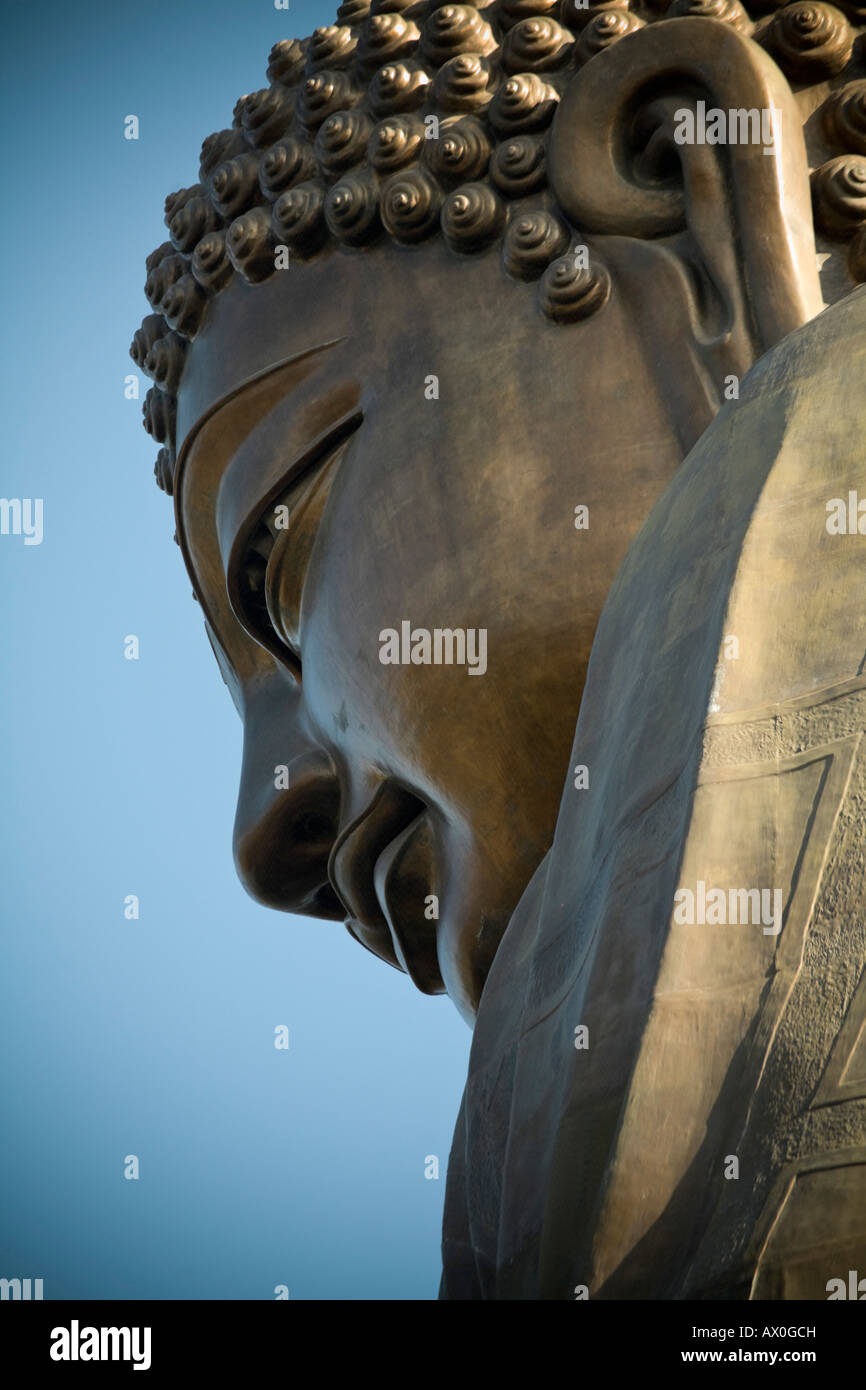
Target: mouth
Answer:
pixel 381 868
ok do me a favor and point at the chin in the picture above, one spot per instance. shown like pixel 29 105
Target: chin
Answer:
pixel 467 945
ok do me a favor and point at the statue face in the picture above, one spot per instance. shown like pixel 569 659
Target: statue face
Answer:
pixel 431 435
pixel 429 426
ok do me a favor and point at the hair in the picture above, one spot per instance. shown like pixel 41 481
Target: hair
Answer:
pixel 335 151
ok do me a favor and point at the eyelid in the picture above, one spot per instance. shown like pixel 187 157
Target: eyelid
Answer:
pixel 292 550
pixel 197 411
pixel 254 539
pixel 235 453
pixel 278 451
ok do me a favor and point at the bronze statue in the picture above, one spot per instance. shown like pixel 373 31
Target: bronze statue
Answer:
pixel 452 347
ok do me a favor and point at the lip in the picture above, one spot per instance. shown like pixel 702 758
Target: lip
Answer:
pixel 381 869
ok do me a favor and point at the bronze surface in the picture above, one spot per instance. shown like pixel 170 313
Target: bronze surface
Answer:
pixel 452 298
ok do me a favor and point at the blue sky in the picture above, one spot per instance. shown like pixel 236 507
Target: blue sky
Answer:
pixel 155 1037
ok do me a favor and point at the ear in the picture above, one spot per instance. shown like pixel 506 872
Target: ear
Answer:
pixel 738 216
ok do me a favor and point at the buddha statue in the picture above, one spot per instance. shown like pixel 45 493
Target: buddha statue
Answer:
pixel 505 370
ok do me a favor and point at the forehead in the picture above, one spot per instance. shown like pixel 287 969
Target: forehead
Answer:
pixel 250 329
pixel 275 366
pixel 401 306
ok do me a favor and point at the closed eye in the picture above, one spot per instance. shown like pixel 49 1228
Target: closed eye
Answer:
pixel 267 581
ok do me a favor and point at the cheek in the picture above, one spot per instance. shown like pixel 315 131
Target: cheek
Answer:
pixel 378 562
pixel 392 549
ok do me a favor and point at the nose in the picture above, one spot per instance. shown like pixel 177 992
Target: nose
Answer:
pixel 288 811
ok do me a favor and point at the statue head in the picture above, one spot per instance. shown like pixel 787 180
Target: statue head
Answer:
pixel 452 299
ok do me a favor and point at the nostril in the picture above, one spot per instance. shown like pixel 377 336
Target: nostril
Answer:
pixel 283 837
pixel 325 903
pixel 313 828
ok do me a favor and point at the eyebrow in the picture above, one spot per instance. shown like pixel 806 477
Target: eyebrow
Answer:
pixel 281 446
pixel 241 390
pixel 255 407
